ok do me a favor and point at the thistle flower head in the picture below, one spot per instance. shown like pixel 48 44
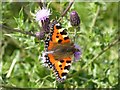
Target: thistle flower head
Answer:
pixel 74 18
pixel 43 14
pixel 78 53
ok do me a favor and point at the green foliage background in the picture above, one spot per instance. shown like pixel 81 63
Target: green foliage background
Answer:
pixel 19 52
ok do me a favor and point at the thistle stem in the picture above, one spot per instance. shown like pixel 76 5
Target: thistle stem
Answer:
pixel 65 11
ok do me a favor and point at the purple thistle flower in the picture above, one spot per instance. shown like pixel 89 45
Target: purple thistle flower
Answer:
pixel 77 54
pixel 43 16
pixel 74 18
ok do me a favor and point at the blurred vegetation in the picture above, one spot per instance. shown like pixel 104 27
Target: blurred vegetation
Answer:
pixel 19 52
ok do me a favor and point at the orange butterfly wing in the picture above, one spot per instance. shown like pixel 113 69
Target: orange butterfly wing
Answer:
pixel 57 36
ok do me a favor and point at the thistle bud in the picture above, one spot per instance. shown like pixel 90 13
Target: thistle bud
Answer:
pixel 74 18
pixel 45 25
pixel 40 35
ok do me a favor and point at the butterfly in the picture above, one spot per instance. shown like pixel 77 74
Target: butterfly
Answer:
pixel 59 50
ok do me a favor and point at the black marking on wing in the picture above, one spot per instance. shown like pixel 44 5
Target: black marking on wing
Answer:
pixel 64 74
pixel 60 65
pixel 68 61
pixel 57 36
pixel 58 27
pixel 67 67
pixel 65 38
pixel 63 32
pixel 61 61
pixel 59 41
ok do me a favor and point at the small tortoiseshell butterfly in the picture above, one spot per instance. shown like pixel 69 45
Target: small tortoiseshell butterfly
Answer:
pixel 58 51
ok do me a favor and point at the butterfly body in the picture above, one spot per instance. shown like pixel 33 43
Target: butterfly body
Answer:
pixel 63 51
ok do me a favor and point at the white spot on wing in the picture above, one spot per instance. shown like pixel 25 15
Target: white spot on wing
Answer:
pixel 60 30
pixel 64 77
pixel 58 24
pixel 66 71
pixel 43 57
pixel 64 36
pixel 68 64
